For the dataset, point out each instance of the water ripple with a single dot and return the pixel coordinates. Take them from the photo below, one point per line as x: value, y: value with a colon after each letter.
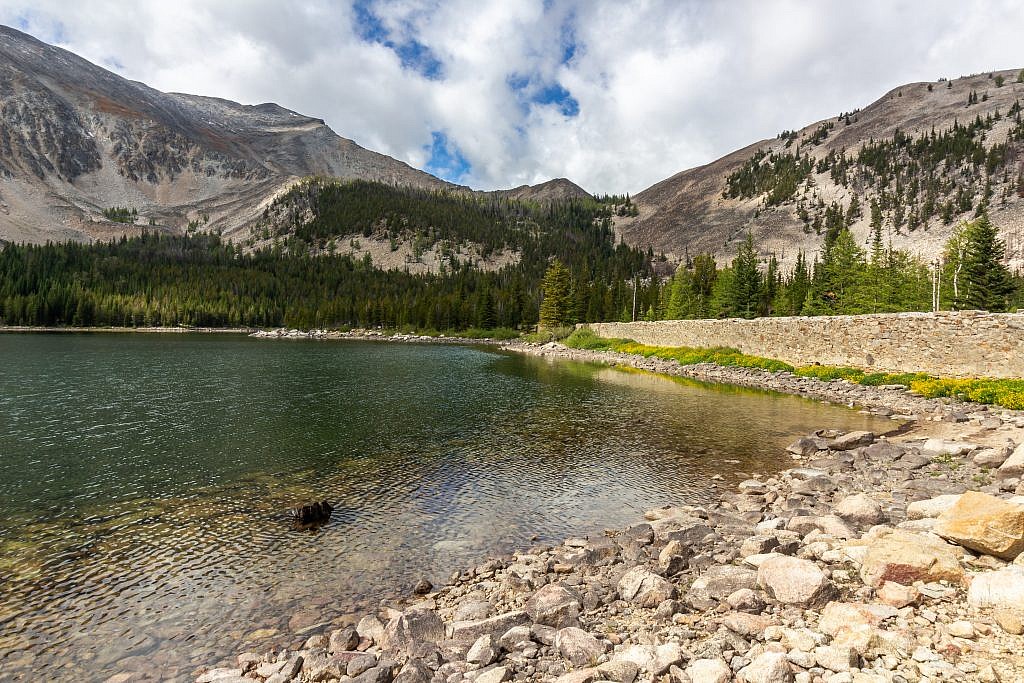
x: 144, y: 481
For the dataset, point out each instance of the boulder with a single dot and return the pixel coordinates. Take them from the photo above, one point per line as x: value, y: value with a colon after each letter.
x: 666, y: 656
x: 484, y: 651
x: 645, y: 588
x: 804, y: 447
x: 897, y: 595
x: 498, y: 674
x: 984, y: 524
x: 580, y: 676
x: 841, y: 615
x: 619, y: 670
x: 1013, y: 467
x: 852, y: 440
x: 414, y: 671
x: 884, y: 452
x: 992, y: 457
x: 836, y: 658
x: 578, y: 647
x: 721, y: 581
x: 931, y: 507
x: 859, y: 509
x: 709, y: 671
x: 936, y: 446
x: 674, y: 558
x: 641, y: 656
x: 516, y: 638
x: 371, y: 628
x: 745, y: 624
x: 469, y: 631
x: 1010, y: 620
x: 343, y: 639
x: 794, y: 581
x: 554, y: 605
x: 826, y: 524
x: 411, y: 628
x: 1002, y: 589
x: 770, y: 667
x: 904, y: 557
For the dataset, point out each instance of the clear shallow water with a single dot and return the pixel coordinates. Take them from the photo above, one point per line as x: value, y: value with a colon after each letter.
x: 143, y: 480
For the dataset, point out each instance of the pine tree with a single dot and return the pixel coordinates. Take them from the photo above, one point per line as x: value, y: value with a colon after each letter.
x: 746, y: 285
x: 987, y: 282
x: 798, y: 286
x: 557, y: 290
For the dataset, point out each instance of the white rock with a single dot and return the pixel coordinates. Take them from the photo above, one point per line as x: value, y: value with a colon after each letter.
x: 770, y: 667
x: 932, y: 507
x: 1003, y: 589
x: 794, y: 581
x: 709, y: 671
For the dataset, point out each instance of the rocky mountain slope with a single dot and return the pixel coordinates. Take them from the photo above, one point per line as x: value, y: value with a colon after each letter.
x: 927, y: 153
x: 76, y: 140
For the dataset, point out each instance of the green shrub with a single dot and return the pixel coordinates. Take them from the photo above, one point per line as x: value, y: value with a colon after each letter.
x: 828, y: 373
x: 548, y: 334
x: 499, y: 333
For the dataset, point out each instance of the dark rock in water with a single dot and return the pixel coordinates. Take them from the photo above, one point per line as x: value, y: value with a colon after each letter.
x: 422, y: 587
x: 312, y: 514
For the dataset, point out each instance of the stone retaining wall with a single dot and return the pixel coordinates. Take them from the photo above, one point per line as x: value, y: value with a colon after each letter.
x: 950, y: 344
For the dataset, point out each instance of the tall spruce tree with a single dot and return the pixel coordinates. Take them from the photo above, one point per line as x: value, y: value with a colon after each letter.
x: 556, y: 306
x: 746, y: 281
x: 987, y: 282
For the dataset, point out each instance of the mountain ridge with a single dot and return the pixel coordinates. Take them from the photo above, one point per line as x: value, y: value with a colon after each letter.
x: 691, y: 212
x: 76, y: 139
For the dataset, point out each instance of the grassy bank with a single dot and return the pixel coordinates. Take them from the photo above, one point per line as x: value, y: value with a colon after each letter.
x: 1008, y: 393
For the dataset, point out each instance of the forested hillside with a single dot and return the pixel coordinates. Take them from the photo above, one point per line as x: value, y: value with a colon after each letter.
x: 914, y: 164
x: 293, y: 279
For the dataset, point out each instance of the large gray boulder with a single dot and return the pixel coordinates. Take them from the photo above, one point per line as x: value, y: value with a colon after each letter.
x: 794, y: 581
x: 411, y: 628
x: 645, y: 588
x: 578, y: 647
x: 554, y: 605
x: 859, y: 509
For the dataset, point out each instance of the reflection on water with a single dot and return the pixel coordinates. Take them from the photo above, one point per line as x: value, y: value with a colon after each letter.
x: 145, y: 481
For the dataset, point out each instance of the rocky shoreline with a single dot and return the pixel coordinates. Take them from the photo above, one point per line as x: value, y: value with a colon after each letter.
x: 875, y: 558
x: 366, y: 335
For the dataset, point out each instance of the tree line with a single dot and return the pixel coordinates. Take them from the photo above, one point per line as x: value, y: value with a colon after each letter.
x: 202, y: 280
x: 845, y: 280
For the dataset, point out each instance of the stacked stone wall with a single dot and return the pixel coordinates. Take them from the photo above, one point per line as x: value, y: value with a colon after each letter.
x: 949, y: 344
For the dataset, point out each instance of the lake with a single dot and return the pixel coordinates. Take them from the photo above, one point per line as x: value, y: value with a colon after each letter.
x: 145, y: 478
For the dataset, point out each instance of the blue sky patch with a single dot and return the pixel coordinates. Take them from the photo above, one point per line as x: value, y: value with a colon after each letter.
x: 568, y: 39
x: 446, y: 160
x: 413, y: 54
x: 532, y: 91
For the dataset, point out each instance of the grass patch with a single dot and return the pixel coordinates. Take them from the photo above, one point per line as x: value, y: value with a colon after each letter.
x: 499, y: 333
x: 1008, y: 393
x: 584, y: 338
x: 548, y: 334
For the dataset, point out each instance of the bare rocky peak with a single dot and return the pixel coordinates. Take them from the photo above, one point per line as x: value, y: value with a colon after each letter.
x: 76, y: 138
x: 687, y: 213
x: 552, y: 190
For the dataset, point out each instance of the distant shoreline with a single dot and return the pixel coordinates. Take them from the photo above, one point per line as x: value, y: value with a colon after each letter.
x: 9, y: 329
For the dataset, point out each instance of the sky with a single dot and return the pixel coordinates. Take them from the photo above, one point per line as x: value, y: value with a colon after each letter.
x: 614, y: 95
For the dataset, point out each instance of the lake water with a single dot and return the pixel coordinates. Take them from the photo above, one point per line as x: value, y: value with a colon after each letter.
x: 144, y: 481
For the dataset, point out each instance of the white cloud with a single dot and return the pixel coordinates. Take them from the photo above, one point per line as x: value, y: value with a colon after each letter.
x: 661, y: 85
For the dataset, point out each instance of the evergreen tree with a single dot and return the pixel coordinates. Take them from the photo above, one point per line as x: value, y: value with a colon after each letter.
x: 555, y: 308
x: 746, y: 281
x: 797, y: 287
x: 987, y: 282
